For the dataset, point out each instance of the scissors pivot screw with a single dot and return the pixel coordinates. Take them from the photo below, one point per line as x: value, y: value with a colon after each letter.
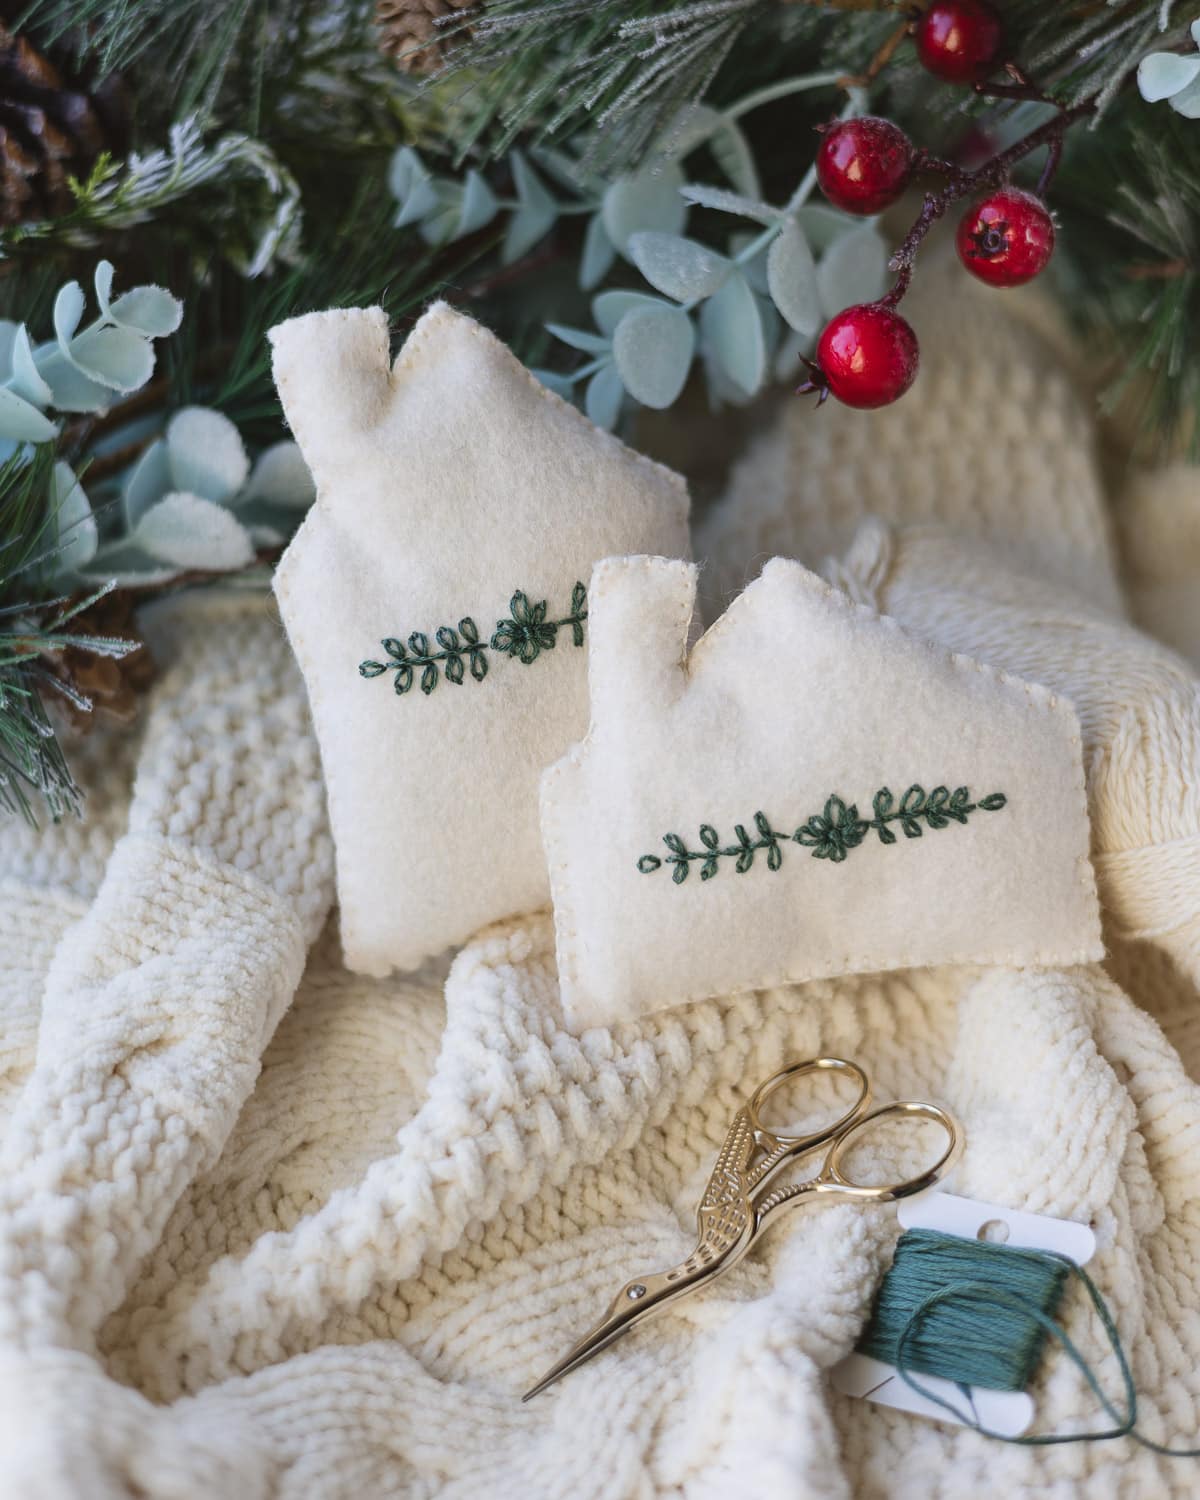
x: 635, y: 1292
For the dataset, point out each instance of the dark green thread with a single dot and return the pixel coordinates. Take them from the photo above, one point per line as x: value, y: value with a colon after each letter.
x: 524, y: 635
x: 830, y: 834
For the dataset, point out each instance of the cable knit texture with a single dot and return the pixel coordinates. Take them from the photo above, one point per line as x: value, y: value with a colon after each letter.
x: 315, y: 1251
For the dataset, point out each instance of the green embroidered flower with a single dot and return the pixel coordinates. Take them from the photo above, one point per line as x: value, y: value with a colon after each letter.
x: 528, y: 633
x: 832, y: 834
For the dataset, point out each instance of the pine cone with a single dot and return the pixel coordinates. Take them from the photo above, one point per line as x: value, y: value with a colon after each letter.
x: 51, y: 126
x: 112, y: 684
x: 405, y: 25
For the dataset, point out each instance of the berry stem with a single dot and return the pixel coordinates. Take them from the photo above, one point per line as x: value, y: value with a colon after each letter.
x: 961, y: 183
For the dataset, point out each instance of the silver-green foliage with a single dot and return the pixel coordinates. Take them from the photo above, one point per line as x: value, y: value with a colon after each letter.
x: 747, y: 307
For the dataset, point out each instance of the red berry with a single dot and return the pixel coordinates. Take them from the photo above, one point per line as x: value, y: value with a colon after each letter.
x: 864, y: 164
x: 959, y: 40
x: 1007, y: 238
x: 867, y: 356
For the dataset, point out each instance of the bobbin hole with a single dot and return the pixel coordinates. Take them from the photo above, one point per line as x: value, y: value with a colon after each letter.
x: 995, y: 1232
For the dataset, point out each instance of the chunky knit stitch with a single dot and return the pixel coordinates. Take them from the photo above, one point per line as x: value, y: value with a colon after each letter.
x: 315, y: 1250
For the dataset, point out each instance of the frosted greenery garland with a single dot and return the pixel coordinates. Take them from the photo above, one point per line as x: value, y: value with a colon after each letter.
x: 748, y: 310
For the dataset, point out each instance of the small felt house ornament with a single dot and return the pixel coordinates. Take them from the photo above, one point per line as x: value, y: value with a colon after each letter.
x: 436, y: 600
x: 810, y: 792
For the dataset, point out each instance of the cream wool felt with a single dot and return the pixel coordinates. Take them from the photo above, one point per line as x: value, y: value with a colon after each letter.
x: 445, y: 484
x: 319, y: 1260
x: 795, y: 697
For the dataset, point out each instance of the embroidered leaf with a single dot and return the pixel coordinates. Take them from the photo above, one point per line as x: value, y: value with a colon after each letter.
x: 525, y: 635
x: 830, y: 834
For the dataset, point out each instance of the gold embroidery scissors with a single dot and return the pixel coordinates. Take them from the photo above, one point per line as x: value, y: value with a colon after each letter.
x: 739, y: 1203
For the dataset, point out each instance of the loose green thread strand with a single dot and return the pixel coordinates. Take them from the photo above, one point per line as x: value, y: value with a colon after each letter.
x: 524, y: 635
x: 831, y: 834
x: 1013, y: 1294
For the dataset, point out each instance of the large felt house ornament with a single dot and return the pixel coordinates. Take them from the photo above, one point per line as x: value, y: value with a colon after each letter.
x: 436, y: 599
x: 810, y: 792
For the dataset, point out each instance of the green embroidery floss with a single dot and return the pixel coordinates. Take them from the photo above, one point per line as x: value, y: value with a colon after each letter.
x: 980, y: 1314
x: 830, y: 835
x: 523, y: 636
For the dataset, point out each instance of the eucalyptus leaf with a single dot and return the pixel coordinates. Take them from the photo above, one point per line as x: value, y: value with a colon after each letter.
x: 1187, y: 101
x: 206, y: 454
x: 8, y: 334
x: 754, y: 269
x: 561, y: 385
x: 21, y: 422
x: 599, y: 252
x: 114, y: 357
x: 150, y: 310
x: 682, y: 268
x: 729, y: 203
x: 26, y: 379
x: 822, y: 225
x: 733, y: 155
x: 603, y: 398
x: 645, y: 199
x: 691, y: 127
x: 1165, y: 73
x: 579, y: 338
x: 147, y: 482
x: 102, y: 280
x: 653, y: 349
x: 75, y: 526
x: 478, y: 206
x: 127, y: 566
x: 536, y: 215
x: 733, y: 334
x: 190, y: 532
x: 610, y: 307
x: 281, y: 477
x: 853, y: 270
x: 68, y: 310
x: 72, y: 389
x: 792, y: 279
x: 423, y: 201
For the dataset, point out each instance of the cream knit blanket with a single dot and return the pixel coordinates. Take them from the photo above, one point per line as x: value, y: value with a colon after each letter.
x: 272, y: 1231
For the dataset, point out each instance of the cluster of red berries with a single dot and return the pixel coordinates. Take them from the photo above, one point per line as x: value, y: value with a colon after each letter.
x: 867, y: 355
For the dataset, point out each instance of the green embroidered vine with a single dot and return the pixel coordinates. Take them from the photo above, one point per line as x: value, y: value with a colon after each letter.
x: 830, y: 834
x: 523, y: 636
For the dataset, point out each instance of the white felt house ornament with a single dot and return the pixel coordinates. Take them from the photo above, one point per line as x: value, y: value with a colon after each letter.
x: 810, y: 792
x: 436, y: 600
